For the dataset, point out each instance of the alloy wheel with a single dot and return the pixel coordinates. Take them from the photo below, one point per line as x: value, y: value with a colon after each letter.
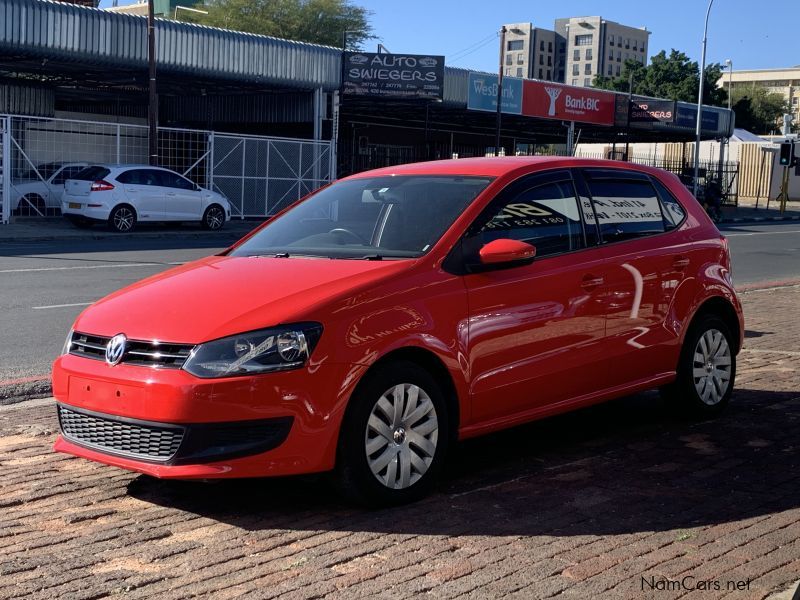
x: 711, y: 367
x: 214, y: 218
x: 123, y: 219
x: 401, y: 436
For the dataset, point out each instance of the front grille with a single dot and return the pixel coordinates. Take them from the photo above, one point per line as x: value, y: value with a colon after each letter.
x: 137, y: 352
x: 135, y: 440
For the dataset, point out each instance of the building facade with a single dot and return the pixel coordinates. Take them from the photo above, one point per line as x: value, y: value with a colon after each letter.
x: 596, y: 46
x: 779, y: 81
x: 532, y: 52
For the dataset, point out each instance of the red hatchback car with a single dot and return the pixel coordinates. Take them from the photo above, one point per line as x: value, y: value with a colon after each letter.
x: 367, y: 327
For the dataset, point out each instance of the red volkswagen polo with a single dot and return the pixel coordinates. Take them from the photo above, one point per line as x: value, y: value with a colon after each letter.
x: 367, y: 327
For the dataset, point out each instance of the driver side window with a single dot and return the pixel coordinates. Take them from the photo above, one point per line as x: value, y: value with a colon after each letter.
x: 545, y: 215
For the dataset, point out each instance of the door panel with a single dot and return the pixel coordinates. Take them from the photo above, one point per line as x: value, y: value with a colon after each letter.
x: 182, y: 200
x: 535, y: 331
x: 142, y: 189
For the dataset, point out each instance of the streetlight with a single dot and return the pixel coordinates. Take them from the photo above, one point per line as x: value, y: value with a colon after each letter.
x: 700, y: 101
x: 194, y: 10
x: 729, y: 64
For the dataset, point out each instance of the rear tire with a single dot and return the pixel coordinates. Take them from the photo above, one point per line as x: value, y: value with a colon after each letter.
x: 394, y: 436
x: 122, y: 219
x: 214, y: 218
x: 706, y: 369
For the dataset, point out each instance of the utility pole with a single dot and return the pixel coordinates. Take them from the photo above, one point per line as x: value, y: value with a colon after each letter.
x: 152, y: 105
x: 500, y: 92
x: 700, y: 102
x: 628, y: 126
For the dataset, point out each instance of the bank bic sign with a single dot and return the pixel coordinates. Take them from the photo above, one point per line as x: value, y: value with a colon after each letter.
x: 483, y: 93
x: 548, y: 100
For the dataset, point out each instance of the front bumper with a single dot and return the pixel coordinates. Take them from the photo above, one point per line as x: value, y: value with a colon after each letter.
x: 299, y: 413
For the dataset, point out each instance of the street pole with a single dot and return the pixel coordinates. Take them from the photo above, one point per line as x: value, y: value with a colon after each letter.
x: 729, y: 63
x: 152, y: 105
x: 500, y: 92
x: 700, y: 101
x: 628, y: 127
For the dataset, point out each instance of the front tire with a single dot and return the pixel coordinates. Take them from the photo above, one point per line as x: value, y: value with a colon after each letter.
x: 394, y: 436
x: 214, y: 218
x: 122, y: 219
x: 706, y: 371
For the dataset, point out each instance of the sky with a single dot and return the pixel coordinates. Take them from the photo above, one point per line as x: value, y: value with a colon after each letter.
x: 754, y: 35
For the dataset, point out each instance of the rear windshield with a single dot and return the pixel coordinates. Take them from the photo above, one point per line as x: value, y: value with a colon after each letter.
x: 92, y: 173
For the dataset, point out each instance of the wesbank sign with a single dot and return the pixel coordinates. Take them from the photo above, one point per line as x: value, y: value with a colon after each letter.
x: 483, y: 93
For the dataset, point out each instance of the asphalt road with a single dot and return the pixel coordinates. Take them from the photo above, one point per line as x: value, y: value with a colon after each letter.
x: 45, y: 285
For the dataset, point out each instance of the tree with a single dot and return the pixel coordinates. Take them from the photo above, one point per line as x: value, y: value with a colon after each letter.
x: 316, y: 21
x: 758, y: 110
x: 674, y: 77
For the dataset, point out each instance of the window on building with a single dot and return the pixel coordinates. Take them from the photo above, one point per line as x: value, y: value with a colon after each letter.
x: 619, y: 55
x: 583, y: 40
x: 549, y: 77
x: 610, y: 70
x: 541, y: 59
x: 618, y: 70
x: 587, y: 70
x: 588, y: 54
x: 520, y: 58
x: 576, y: 70
x: 515, y: 44
x: 519, y: 71
x: 540, y: 73
x: 508, y: 72
x: 611, y: 55
x: 611, y: 40
x: 626, y: 56
x: 587, y: 81
x: 627, y: 42
x: 509, y: 59
x: 635, y: 45
x: 574, y: 82
x: 541, y: 45
x: 549, y: 46
x: 576, y: 54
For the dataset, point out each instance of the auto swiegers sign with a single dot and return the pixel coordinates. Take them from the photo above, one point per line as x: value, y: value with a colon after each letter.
x: 547, y: 100
x: 393, y: 75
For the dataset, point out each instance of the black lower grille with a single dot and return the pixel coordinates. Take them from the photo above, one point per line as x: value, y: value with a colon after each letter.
x: 147, y: 442
x: 168, y: 443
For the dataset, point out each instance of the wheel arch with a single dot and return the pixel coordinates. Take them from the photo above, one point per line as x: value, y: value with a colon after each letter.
x: 723, y: 308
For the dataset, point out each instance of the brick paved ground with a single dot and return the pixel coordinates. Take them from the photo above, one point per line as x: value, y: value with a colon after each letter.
x: 588, y: 504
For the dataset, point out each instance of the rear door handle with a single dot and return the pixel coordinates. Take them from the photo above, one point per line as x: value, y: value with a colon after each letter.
x: 680, y: 262
x: 590, y: 282
x: 170, y: 193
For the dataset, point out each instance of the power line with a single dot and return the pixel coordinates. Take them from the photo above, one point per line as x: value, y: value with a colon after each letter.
x: 472, y: 48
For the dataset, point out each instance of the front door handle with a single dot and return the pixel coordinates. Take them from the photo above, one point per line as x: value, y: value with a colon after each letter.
x: 680, y: 262
x: 170, y: 193
x: 590, y: 282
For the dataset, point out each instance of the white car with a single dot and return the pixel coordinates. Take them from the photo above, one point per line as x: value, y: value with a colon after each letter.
x: 122, y: 195
x: 40, y: 189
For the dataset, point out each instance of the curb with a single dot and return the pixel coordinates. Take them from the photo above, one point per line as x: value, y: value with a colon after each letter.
x: 27, y: 388
x: 758, y: 219
x: 121, y: 236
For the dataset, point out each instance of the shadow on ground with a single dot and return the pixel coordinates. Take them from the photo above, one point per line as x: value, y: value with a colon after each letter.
x: 622, y: 467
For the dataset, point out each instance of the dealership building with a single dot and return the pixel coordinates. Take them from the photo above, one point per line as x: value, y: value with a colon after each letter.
x: 265, y: 120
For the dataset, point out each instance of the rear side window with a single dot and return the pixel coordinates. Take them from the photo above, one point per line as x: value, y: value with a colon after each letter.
x: 674, y: 213
x: 92, y: 173
x: 544, y: 215
x: 140, y: 177
x: 626, y: 209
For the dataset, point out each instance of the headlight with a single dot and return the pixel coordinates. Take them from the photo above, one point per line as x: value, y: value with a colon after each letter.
x: 262, y: 351
x: 67, y: 343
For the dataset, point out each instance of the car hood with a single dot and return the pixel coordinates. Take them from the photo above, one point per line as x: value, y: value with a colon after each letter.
x: 219, y: 296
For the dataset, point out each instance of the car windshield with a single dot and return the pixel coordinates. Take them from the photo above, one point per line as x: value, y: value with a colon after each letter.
x: 370, y: 218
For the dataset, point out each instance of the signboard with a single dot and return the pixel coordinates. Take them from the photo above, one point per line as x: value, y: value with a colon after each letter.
x: 650, y: 111
x: 546, y: 100
x: 482, y: 94
x: 686, y: 116
x: 393, y: 75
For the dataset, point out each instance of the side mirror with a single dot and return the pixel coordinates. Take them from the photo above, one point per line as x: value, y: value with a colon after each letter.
x: 506, y: 252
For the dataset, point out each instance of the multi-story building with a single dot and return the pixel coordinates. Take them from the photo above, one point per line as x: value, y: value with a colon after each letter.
x: 596, y: 46
x: 579, y: 49
x: 532, y: 52
x: 780, y: 81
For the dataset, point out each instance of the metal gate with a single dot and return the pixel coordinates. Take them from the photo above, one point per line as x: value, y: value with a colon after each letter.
x: 259, y: 175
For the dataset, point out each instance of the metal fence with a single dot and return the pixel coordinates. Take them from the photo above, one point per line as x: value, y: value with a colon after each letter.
x: 258, y: 175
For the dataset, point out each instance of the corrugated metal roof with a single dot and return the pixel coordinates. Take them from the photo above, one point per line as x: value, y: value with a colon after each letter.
x: 79, y: 34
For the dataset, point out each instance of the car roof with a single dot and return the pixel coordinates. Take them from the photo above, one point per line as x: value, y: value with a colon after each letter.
x: 127, y: 166
x: 496, y: 166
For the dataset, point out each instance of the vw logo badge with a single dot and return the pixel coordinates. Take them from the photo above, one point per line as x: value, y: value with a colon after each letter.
x: 115, y: 349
